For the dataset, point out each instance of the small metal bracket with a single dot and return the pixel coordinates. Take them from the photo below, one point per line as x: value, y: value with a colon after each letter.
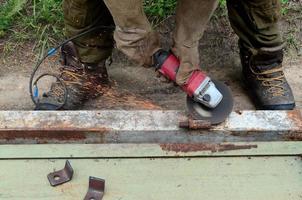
x: 194, y: 124
x: 61, y: 176
x: 96, y: 189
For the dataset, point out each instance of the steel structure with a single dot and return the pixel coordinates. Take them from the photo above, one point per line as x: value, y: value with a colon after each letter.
x: 146, y: 155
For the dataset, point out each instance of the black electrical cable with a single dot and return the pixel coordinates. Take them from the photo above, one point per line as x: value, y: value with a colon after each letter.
x: 32, y: 83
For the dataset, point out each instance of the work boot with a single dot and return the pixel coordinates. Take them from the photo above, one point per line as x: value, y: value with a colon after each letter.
x: 264, y: 77
x: 83, y: 81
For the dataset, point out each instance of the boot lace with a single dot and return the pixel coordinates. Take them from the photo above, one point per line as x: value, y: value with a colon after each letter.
x: 274, y: 83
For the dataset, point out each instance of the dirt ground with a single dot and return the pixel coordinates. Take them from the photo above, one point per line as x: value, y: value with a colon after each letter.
x: 138, y: 88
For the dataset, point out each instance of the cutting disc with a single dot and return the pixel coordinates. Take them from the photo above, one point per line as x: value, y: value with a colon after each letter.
x: 216, y: 115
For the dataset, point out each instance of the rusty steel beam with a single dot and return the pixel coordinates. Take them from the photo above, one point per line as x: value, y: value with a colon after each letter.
x: 108, y: 126
x: 142, y: 121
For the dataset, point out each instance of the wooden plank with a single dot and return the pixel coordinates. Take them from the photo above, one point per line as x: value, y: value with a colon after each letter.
x: 52, y: 151
x: 261, y: 178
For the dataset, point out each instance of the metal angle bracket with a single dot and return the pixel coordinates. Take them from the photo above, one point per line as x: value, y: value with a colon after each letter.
x: 96, y: 189
x: 62, y: 176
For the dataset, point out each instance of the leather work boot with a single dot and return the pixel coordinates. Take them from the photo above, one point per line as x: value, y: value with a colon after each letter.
x: 83, y: 81
x: 264, y: 77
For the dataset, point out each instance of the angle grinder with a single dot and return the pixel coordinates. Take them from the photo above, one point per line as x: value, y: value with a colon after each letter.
x: 207, y: 99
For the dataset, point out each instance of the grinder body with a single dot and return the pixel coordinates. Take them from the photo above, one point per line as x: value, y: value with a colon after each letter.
x: 199, y: 86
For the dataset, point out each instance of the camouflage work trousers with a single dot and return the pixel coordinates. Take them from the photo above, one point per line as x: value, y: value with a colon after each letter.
x: 254, y: 21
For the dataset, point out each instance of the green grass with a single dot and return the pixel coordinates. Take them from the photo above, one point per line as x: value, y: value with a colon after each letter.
x: 41, y: 21
x: 36, y: 18
x: 158, y: 10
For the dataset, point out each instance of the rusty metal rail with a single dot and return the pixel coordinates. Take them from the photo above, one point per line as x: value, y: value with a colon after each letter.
x: 108, y: 126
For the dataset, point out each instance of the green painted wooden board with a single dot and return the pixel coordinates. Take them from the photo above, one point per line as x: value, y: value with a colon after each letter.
x: 273, y: 170
x: 227, y: 178
x: 94, y: 151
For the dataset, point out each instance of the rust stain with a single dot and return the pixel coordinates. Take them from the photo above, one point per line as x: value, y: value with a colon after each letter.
x: 199, y: 124
x: 185, y: 148
x: 42, y: 135
x: 296, y: 117
x: 294, y: 136
x: 59, y: 125
x: 193, y: 124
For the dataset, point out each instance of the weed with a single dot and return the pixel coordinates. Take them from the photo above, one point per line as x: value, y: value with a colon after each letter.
x: 158, y: 10
x: 7, y: 13
x: 40, y: 21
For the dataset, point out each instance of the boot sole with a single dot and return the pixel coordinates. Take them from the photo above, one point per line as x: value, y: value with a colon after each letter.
x: 280, y: 107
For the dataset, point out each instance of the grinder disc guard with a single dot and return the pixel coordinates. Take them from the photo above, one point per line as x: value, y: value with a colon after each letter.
x: 214, y: 116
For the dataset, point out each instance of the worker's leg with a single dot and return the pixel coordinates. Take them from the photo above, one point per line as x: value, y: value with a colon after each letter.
x: 256, y: 22
x: 133, y: 34
x: 80, y: 15
x: 83, y: 71
x: 192, y: 17
x: 261, y: 50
